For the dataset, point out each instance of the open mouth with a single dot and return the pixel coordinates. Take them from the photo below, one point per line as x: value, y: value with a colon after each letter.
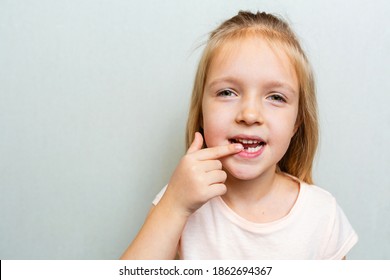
x: 250, y: 145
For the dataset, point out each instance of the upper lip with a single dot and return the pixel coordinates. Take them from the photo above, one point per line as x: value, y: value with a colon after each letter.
x: 248, y: 137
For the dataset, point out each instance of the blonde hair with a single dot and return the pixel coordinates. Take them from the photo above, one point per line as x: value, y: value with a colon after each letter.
x: 298, y: 159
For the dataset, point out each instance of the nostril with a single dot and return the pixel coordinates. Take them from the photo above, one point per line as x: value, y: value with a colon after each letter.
x: 250, y: 116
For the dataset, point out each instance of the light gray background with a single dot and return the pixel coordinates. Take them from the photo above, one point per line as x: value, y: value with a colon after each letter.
x: 93, y: 104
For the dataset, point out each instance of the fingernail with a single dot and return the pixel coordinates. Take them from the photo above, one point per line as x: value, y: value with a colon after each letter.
x: 238, y: 147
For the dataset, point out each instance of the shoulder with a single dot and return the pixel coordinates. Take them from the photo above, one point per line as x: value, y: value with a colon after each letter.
x: 318, y: 194
x: 338, y: 236
x: 311, y: 191
x: 316, y: 206
x: 313, y: 198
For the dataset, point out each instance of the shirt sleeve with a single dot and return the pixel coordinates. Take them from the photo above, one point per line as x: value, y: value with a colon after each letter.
x: 159, y: 196
x: 342, y: 236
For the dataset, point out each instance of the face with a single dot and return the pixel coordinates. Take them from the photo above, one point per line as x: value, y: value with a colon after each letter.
x: 251, y: 97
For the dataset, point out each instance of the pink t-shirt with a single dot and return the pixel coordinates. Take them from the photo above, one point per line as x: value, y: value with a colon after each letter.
x: 315, y: 228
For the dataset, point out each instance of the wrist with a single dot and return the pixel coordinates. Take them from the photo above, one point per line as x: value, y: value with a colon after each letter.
x: 173, y: 206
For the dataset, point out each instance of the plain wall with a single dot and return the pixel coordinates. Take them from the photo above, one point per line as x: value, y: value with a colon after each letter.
x: 94, y: 98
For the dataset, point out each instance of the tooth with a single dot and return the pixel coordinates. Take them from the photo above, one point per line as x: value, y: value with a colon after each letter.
x: 250, y: 142
x: 253, y: 150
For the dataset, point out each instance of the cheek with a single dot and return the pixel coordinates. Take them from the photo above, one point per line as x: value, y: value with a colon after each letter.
x: 212, y: 132
x: 286, y: 121
x: 283, y: 134
x: 215, y: 128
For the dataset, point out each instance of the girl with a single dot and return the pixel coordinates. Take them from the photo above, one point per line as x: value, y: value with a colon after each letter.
x: 242, y: 189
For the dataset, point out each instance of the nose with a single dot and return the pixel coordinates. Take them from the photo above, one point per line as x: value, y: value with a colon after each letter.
x: 250, y: 112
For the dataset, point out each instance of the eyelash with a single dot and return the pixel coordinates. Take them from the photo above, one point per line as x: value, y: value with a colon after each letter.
x: 277, y: 98
x: 230, y: 93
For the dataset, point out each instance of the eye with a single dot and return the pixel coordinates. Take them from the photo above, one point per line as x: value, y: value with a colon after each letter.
x: 277, y: 98
x: 226, y: 93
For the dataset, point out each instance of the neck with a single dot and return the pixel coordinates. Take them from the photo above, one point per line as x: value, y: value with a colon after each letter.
x: 251, y: 190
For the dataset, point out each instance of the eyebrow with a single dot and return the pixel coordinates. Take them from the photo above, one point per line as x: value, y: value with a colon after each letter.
x: 222, y: 80
x: 280, y: 84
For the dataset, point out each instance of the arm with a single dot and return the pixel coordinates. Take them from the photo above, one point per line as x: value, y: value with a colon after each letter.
x: 202, y: 175
x: 159, y: 236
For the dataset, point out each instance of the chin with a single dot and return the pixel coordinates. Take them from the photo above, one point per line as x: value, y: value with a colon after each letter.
x: 243, y: 175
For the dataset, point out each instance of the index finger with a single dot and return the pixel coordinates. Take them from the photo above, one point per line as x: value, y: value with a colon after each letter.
x: 219, y: 151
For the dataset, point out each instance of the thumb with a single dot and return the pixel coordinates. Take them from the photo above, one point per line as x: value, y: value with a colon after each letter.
x: 196, y: 144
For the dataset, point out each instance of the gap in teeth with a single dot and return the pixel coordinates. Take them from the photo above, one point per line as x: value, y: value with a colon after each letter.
x: 247, y: 141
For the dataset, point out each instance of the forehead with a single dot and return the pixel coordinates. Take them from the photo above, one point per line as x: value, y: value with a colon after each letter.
x: 253, y: 59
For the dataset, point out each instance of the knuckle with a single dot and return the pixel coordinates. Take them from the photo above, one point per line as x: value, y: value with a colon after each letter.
x: 187, y: 160
x: 193, y: 168
x: 187, y: 157
x: 201, y: 180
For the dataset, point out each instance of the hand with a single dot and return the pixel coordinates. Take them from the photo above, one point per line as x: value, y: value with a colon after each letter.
x: 199, y: 176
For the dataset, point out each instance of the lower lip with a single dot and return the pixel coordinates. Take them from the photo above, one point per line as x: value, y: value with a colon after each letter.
x: 246, y: 154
